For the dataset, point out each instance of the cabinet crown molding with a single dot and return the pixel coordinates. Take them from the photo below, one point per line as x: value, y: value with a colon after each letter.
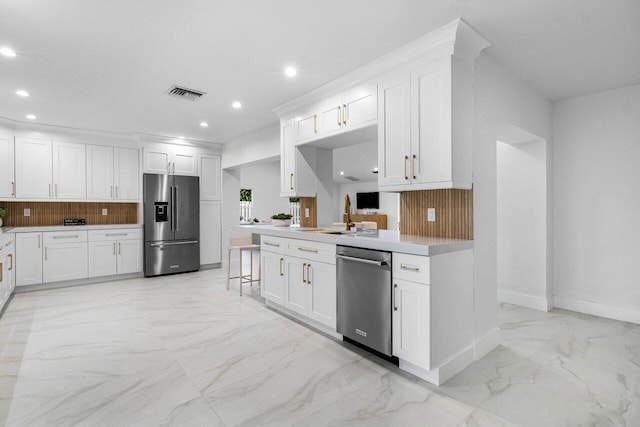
x: 456, y: 38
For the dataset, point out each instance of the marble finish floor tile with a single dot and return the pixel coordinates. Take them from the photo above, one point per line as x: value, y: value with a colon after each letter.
x: 183, y: 351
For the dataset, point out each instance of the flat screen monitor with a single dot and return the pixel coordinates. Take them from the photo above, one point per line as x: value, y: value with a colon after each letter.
x: 368, y: 200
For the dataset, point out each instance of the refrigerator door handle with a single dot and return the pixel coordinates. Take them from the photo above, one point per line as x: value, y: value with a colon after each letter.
x: 175, y: 208
x: 171, y: 204
x: 159, y: 245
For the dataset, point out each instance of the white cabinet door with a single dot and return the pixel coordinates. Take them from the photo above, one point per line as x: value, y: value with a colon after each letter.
x: 394, y: 130
x: 330, y: 117
x: 33, y: 168
x: 7, y: 177
x: 126, y: 179
x: 306, y: 127
x: 28, y: 258
x: 272, y: 282
x: 102, y: 258
x: 296, y: 297
x: 431, y: 125
x: 210, y: 177
x: 210, y: 229
x: 287, y: 160
x: 99, y: 172
x: 65, y: 261
x: 321, y: 279
x: 360, y: 105
x: 69, y: 172
x: 129, y: 253
x: 156, y: 160
x: 184, y: 162
x: 411, y: 327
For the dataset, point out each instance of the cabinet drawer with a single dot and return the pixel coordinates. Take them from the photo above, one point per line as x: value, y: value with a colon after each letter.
x: 115, y: 234
x: 414, y: 268
x: 315, y: 251
x: 273, y: 244
x: 56, y: 237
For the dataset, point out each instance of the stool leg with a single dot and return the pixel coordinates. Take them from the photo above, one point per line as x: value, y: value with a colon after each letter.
x: 240, y: 272
x: 228, y: 268
x: 259, y: 269
x: 251, y: 269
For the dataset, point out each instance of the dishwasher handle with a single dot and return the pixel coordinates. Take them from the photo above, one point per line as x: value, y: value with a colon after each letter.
x: 362, y: 260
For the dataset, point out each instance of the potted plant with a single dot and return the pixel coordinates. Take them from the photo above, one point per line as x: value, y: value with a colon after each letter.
x: 3, y: 214
x: 281, y: 219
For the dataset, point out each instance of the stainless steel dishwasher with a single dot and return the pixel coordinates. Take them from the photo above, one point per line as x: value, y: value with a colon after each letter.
x: 364, y: 297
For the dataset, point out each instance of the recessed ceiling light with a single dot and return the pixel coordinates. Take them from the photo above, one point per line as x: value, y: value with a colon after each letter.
x: 290, y: 72
x: 22, y: 93
x: 204, y: 124
x: 30, y: 117
x: 341, y: 172
x: 181, y: 137
x: 237, y: 105
x: 6, y: 51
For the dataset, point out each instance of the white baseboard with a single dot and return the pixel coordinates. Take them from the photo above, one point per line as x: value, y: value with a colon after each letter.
x: 486, y: 343
x: 303, y: 319
x: 525, y: 300
x: 598, y: 309
x: 443, y: 373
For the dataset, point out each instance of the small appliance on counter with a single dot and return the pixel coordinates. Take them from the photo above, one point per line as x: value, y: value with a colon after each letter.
x: 171, y: 224
x: 73, y: 221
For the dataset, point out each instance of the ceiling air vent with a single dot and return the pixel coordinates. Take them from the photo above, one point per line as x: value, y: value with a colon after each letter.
x: 184, y: 93
x: 352, y: 178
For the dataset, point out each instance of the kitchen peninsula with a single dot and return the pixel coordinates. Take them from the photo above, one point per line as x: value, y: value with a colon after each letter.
x: 432, y: 293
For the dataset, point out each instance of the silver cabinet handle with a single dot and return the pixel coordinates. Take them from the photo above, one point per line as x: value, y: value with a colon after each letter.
x: 304, y: 265
x: 409, y: 268
x: 55, y: 190
x: 277, y: 245
x: 45, y: 253
x: 115, y: 234
x: 281, y: 262
x: 49, y: 190
x: 339, y: 115
x: 38, y: 241
x: 315, y: 251
x: 114, y: 248
x: 413, y: 166
x: 75, y: 236
x: 344, y: 114
x: 362, y: 260
x: 308, y: 274
x: 291, y: 181
x: 406, y: 159
x: 119, y: 248
x: 395, y: 287
x: 13, y: 187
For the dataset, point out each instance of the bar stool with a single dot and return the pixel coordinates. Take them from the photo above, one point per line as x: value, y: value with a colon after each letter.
x: 242, y: 241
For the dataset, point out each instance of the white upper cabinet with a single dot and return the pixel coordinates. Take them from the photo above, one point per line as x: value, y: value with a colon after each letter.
x: 7, y: 177
x: 169, y: 159
x: 69, y: 172
x: 33, y: 168
x: 210, y: 176
x: 350, y: 110
x: 126, y: 176
x: 112, y: 173
x: 297, y: 178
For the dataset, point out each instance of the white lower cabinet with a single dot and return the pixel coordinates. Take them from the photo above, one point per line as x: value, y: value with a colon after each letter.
x: 115, y: 252
x: 411, y: 322
x: 210, y: 238
x: 272, y: 280
x: 305, y: 286
x: 7, y: 268
x: 64, y: 261
x: 28, y: 259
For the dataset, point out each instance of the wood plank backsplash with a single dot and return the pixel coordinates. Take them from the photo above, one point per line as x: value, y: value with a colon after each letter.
x: 52, y: 213
x: 454, y: 213
x: 311, y: 204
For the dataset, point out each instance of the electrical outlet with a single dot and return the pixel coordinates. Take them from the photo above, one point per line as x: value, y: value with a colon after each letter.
x: 104, y: 212
x: 431, y: 214
x: 27, y: 212
x: 306, y: 212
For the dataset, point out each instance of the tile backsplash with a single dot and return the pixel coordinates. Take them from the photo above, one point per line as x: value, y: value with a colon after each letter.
x: 52, y: 213
x: 454, y: 213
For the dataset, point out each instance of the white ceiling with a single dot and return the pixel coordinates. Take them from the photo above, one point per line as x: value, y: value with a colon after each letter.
x: 105, y: 65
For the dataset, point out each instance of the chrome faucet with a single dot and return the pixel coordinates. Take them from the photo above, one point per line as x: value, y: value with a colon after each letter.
x: 347, y: 211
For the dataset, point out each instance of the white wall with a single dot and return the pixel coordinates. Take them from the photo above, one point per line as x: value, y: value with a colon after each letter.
x: 597, y: 203
x: 499, y: 97
x: 522, y: 223
x: 256, y: 146
x: 388, y: 201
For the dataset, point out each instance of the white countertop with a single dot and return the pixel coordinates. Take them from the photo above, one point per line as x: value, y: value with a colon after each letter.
x: 67, y: 228
x: 386, y: 240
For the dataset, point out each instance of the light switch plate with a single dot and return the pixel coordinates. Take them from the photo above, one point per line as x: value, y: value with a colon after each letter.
x: 104, y: 212
x: 27, y: 212
x: 306, y: 212
x: 431, y: 214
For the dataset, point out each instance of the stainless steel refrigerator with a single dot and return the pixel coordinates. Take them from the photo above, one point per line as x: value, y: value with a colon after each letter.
x: 171, y: 224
